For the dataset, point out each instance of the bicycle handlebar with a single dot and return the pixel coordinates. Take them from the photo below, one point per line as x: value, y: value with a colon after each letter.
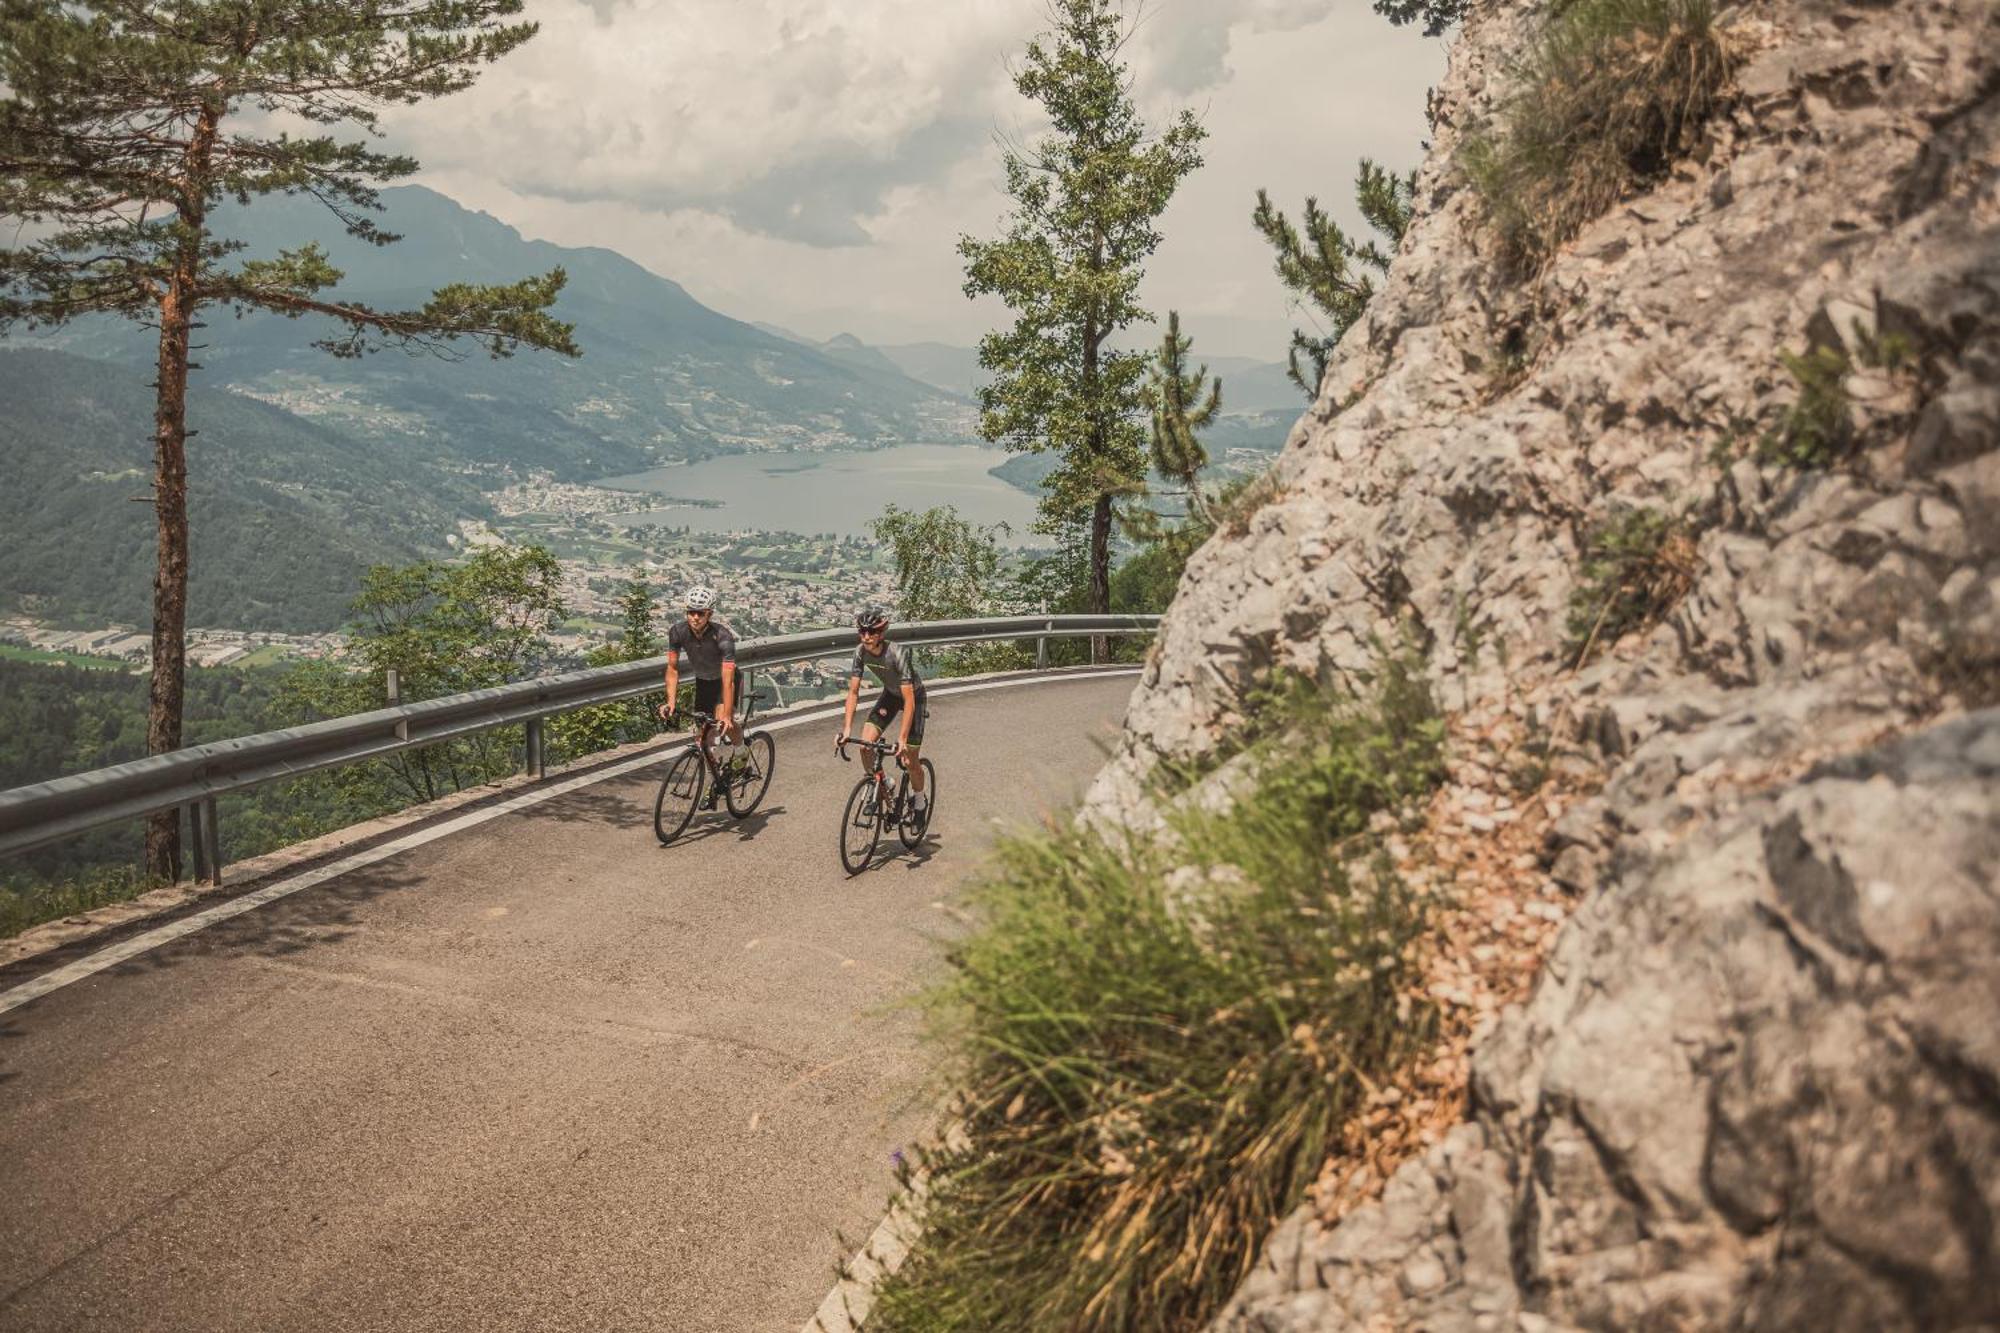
x: 879, y: 747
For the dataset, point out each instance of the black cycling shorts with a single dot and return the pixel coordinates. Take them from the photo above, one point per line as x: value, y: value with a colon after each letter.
x: 890, y: 704
x: 708, y: 696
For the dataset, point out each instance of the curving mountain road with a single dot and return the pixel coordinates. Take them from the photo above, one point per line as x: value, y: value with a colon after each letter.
x: 541, y: 1074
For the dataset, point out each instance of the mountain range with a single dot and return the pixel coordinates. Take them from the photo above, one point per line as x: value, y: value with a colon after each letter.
x: 662, y: 377
x: 308, y: 468
x: 286, y: 513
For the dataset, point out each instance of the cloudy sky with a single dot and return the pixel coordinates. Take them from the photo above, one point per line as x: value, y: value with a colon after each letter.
x: 812, y: 163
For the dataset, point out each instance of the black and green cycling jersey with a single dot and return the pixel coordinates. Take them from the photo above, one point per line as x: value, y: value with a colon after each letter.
x: 890, y: 667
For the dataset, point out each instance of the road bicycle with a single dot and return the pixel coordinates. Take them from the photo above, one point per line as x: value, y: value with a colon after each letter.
x: 695, y: 779
x: 874, y: 806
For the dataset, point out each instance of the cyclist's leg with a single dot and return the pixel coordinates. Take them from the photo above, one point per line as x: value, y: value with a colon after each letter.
x: 707, y: 698
x: 879, y: 717
x: 913, y: 752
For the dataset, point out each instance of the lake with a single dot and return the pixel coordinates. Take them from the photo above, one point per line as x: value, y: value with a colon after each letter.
x: 836, y: 492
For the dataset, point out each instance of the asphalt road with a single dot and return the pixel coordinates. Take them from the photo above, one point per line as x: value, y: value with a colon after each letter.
x: 543, y: 1074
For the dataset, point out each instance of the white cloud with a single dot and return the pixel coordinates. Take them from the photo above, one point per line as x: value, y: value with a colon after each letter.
x: 728, y: 143
x: 792, y: 117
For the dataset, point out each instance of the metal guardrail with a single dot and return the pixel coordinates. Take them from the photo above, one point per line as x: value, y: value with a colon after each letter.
x: 48, y: 812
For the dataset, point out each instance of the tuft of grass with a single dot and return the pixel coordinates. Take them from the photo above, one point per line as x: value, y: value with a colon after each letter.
x: 1818, y: 430
x: 1636, y: 568
x: 1240, y: 500
x: 1610, y: 95
x: 1158, y: 1042
x: 26, y: 902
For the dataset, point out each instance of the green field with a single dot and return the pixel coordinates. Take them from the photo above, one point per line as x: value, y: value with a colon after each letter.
x: 14, y: 652
x: 269, y: 655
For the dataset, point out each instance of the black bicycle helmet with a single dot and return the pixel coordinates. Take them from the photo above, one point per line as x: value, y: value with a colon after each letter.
x: 872, y: 617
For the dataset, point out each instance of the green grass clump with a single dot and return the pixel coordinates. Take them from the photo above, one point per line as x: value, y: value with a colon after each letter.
x: 1611, y: 93
x: 1159, y: 1042
x: 1636, y: 568
x: 26, y: 902
x: 1818, y: 429
x: 1819, y: 426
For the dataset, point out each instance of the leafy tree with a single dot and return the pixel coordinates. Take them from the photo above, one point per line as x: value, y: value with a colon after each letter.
x: 946, y: 567
x: 1437, y: 15
x: 444, y: 629
x: 1180, y: 410
x: 126, y: 123
x: 588, y: 730
x: 1069, y: 263
x: 1325, y: 267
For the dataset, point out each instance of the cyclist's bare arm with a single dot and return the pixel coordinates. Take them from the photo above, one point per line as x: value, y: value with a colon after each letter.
x: 909, y: 717
x: 673, y: 684
x: 847, y: 719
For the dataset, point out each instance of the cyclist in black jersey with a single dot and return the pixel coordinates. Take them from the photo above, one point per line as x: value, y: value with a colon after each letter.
x: 710, y: 646
x: 902, y: 697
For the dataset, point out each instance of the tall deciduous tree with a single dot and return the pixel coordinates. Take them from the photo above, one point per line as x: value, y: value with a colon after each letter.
x: 444, y: 629
x: 126, y: 123
x: 1327, y: 269
x: 1183, y: 403
x: 1086, y: 197
x: 946, y: 567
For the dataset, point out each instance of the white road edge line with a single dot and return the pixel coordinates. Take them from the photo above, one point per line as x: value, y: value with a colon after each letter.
x: 29, y: 991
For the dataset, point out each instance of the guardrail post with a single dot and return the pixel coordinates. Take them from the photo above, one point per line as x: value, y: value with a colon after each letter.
x: 198, y: 838
x: 211, y: 838
x: 392, y: 688
x: 1041, y: 654
x: 537, y: 769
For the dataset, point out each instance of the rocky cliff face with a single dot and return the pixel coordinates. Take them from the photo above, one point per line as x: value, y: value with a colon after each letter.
x: 1758, y: 1083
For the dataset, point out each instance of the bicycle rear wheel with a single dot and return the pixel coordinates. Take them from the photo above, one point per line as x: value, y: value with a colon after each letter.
x: 680, y: 793
x: 748, y: 785
x: 913, y: 826
x: 860, y: 828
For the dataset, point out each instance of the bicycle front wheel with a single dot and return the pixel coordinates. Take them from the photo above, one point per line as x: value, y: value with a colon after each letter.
x: 913, y: 826
x: 680, y: 793
x: 860, y: 828
x: 748, y: 783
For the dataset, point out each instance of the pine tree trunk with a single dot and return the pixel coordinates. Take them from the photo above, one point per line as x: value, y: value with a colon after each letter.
x: 170, y: 573
x: 1100, y: 572
x: 178, y: 299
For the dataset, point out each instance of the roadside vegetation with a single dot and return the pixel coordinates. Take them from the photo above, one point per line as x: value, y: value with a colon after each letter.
x: 1818, y: 429
x: 1608, y: 96
x: 1637, y: 567
x: 443, y: 628
x: 1158, y: 1041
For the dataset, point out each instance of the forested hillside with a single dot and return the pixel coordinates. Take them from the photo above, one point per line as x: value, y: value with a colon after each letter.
x: 286, y: 513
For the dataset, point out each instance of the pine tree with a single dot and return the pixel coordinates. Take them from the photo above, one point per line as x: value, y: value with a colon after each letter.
x: 1326, y: 269
x: 636, y: 609
x: 1179, y: 411
x: 1437, y: 15
x: 1086, y: 198
x: 124, y: 124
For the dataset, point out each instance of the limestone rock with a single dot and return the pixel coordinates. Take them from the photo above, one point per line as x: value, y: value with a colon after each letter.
x: 1759, y: 1084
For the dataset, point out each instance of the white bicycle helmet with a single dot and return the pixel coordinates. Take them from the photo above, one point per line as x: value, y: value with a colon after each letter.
x: 700, y: 597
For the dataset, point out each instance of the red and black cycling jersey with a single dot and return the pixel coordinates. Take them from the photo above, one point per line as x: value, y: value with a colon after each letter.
x: 707, y: 651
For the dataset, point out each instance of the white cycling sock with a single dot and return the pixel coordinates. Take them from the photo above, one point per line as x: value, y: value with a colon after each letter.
x: 920, y: 799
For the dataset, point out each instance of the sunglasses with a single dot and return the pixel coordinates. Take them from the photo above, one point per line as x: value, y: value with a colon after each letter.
x: 873, y: 633
x: 698, y: 615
